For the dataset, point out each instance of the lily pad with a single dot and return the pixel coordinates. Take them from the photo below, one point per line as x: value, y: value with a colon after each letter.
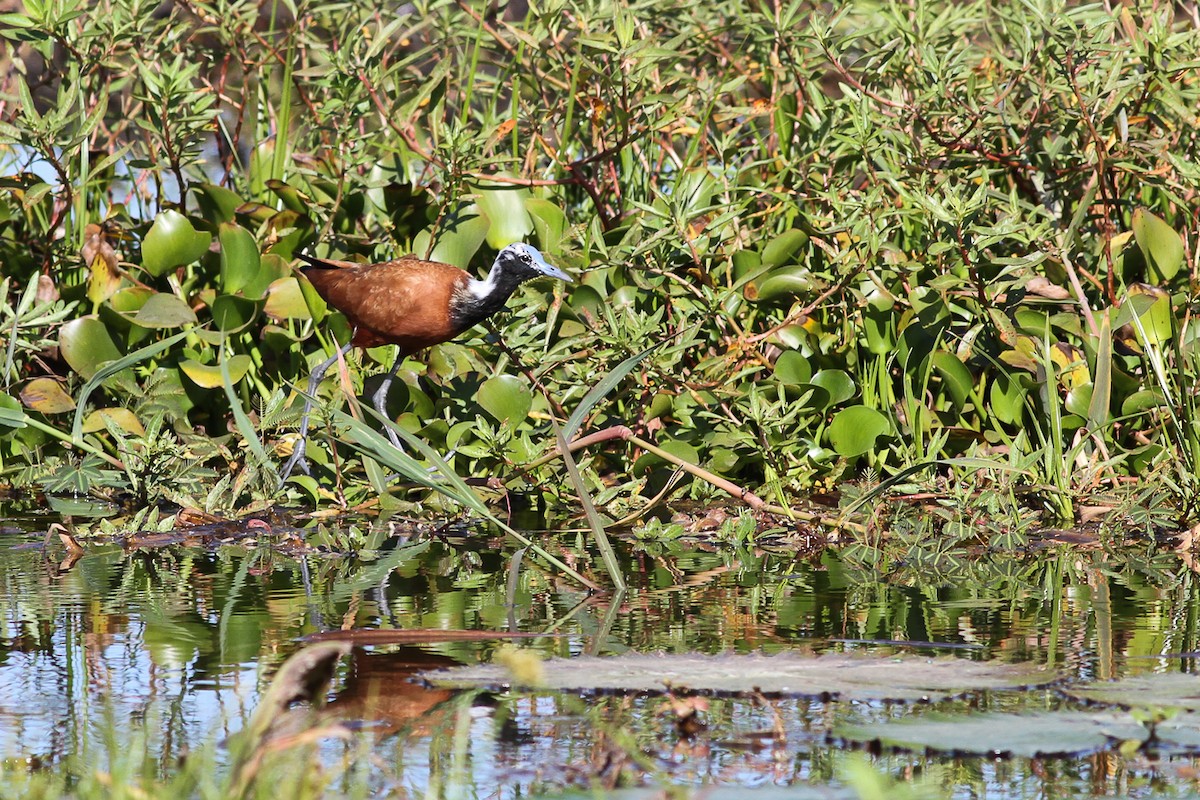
x: 1022, y: 735
x: 836, y: 676
x: 1172, y: 690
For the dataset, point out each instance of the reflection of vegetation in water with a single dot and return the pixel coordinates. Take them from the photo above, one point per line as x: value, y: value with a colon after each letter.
x: 169, y: 640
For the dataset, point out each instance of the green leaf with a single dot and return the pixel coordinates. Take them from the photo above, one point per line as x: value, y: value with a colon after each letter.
x: 112, y: 368
x: 505, y: 207
x: 793, y: 368
x: 1160, y: 244
x: 782, y: 284
x: 1006, y: 398
x: 208, y: 376
x: 231, y: 314
x: 458, y: 239
x: 217, y: 204
x: 290, y: 298
x: 1141, y: 402
x: 506, y: 398
x: 164, y: 310
x: 549, y: 222
x: 85, y: 345
x: 854, y: 430
x: 271, y: 267
x: 955, y: 377
x: 239, y: 259
x: 172, y: 242
x: 782, y: 248
x: 839, y: 385
x: 12, y: 414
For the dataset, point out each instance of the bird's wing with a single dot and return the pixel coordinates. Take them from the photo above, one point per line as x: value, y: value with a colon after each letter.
x: 404, y: 302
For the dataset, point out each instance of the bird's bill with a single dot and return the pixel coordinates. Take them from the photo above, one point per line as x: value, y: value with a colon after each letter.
x: 549, y: 270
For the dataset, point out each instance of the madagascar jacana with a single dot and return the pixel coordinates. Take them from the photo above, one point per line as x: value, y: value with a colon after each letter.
x: 412, y: 304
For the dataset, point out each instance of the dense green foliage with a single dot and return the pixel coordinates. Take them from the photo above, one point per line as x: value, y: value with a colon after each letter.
x: 956, y: 235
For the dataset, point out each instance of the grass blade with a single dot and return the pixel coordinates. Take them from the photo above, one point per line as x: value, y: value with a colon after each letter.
x: 589, y: 510
x: 445, y: 481
x: 606, y: 385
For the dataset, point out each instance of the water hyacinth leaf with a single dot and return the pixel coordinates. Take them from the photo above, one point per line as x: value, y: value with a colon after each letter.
x: 506, y: 398
x: 1141, y: 402
x: 239, y: 258
x: 854, y: 430
x: 879, y: 327
x: 216, y: 203
x: 839, y: 385
x: 291, y: 298
x: 793, y: 368
x: 130, y: 299
x: 208, y: 376
x: 1160, y: 244
x: 1006, y: 398
x: 172, y: 242
x: 955, y: 377
x: 115, y: 366
x: 271, y: 267
x: 85, y: 345
x: 504, y: 205
x: 459, y: 237
x: 121, y: 418
x: 164, y: 310
x: 293, y: 199
x: 46, y: 396
x: 1079, y: 400
x: 231, y: 314
x: 549, y: 223
x: 842, y: 677
x: 782, y: 249
x: 1146, y: 314
x: 1022, y: 735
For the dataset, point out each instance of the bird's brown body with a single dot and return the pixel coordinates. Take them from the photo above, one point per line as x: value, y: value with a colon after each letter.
x: 406, y: 302
x: 413, y: 304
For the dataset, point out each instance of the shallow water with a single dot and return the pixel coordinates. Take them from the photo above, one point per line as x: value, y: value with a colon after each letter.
x: 182, y: 640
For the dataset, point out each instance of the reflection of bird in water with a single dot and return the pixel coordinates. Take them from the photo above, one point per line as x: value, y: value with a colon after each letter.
x: 380, y: 689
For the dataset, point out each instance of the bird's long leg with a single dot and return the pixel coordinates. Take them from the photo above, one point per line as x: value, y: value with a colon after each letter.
x: 380, y: 399
x: 314, y: 380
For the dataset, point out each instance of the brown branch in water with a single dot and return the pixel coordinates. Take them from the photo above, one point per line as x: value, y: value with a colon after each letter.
x: 755, y: 502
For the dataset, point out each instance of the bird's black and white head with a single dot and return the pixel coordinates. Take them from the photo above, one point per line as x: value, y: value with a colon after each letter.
x: 524, y: 262
x: 477, y: 300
